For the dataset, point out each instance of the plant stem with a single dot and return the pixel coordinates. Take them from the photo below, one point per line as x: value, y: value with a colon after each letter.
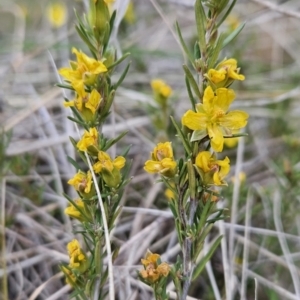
x: 188, y: 266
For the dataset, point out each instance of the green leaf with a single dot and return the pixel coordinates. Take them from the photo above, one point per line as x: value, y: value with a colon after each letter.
x: 235, y: 135
x: 76, y: 114
x: 233, y: 35
x: 77, y: 121
x: 119, y: 61
x: 112, y: 21
x: 205, y: 212
x: 227, y: 13
x: 65, y: 86
x: 107, y: 105
x: 122, y: 77
x: 200, y: 240
x: 222, y: 5
x: 86, y: 39
x: 73, y: 162
x: 192, y: 81
x: 191, y: 97
x: 192, y: 179
x: 181, y: 136
x: 197, y: 52
x: 114, y: 141
x: 183, y: 44
x: 198, y: 135
x: 199, y: 268
x: 215, y: 53
x: 200, y: 23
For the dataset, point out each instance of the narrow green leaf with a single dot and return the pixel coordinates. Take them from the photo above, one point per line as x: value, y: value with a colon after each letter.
x: 108, y: 104
x: 114, y: 141
x: 184, y: 46
x: 74, y: 163
x: 200, y: 23
x: 215, y: 53
x: 122, y: 77
x: 222, y: 5
x: 192, y: 81
x: 233, y: 35
x: 200, y: 240
x: 119, y: 61
x: 112, y: 21
x: 85, y: 38
x: 126, y: 150
x: 192, y: 179
x: 197, y: 52
x: 65, y: 86
x: 191, y: 97
x: 76, y: 114
x: 76, y: 121
x: 204, y: 214
x: 235, y: 135
x: 206, y: 258
x: 227, y: 13
x: 181, y: 136
x: 106, y: 36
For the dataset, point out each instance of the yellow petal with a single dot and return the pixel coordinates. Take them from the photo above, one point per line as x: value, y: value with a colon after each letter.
x: 224, y: 98
x: 216, y: 137
x: 194, y: 121
x: 234, y: 120
x: 216, y: 76
x: 97, y: 167
x: 163, y: 150
x: 88, y: 183
x: 208, y: 99
x: 94, y: 101
x: 225, y: 166
x: 79, y: 88
x: 168, y: 163
x: 152, y: 166
x: 231, y: 62
x: 119, y: 162
x: 203, y: 160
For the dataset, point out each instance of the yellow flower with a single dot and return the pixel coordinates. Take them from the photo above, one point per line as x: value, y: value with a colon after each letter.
x: 213, y: 171
x: 241, y: 176
x: 105, y: 162
x: 89, y: 138
x: 233, y: 22
x: 57, y: 14
x: 212, y: 118
x: 109, y: 169
x: 225, y: 72
x: 161, y: 90
x: 86, y: 104
x: 82, y: 182
x: 162, y: 160
x: 160, y: 87
x: 153, y: 270
x: 78, y: 259
x: 75, y: 213
x: 83, y: 72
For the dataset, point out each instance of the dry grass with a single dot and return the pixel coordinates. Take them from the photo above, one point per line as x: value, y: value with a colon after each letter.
x: 259, y: 256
